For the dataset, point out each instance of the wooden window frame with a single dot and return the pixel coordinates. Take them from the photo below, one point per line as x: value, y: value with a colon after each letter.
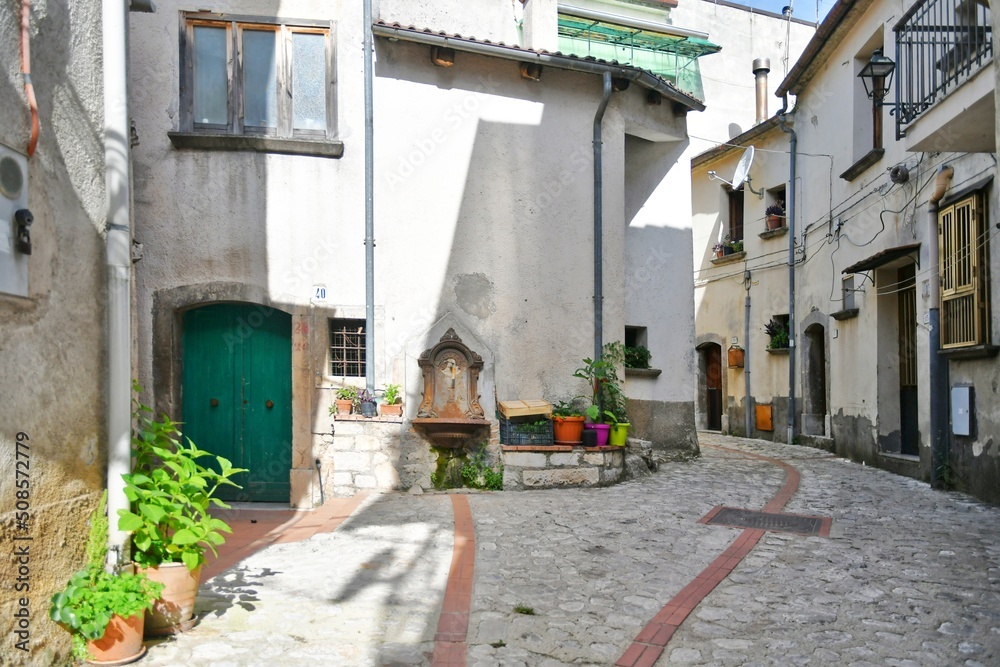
x: 963, y: 272
x: 737, y: 213
x: 235, y: 25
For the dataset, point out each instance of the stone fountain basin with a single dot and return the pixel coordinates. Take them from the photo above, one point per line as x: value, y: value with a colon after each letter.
x: 450, y: 431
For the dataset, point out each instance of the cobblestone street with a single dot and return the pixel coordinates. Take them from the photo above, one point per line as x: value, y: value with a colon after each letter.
x: 907, y: 576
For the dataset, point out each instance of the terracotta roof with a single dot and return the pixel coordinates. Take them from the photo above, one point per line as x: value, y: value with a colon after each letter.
x: 555, y: 59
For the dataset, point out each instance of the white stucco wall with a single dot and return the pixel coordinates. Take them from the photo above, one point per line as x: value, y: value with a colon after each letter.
x: 483, y: 214
x: 52, y: 372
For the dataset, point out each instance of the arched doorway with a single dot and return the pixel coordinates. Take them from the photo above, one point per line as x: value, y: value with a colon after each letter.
x: 236, y: 389
x: 710, y: 389
x: 814, y: 380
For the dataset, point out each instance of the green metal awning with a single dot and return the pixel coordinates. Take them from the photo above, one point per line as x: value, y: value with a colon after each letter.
x: 600, y: 32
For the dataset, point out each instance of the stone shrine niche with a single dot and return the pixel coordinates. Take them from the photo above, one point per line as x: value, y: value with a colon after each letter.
x: 451, y: 380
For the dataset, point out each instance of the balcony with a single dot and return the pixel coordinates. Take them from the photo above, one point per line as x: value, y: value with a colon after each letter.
x: 944, y: 85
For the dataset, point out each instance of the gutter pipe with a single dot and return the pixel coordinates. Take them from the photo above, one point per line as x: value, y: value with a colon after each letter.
x: 746, y: 355
x: 119, y: 264
x: 599, y: 220
x: 938, y: 367
x: 639, y: 76
x: 793, y: 141
x: 369, y: 206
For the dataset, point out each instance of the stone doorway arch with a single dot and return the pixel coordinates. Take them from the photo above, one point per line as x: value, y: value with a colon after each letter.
x: 712, y: 395
x: 815, y: 387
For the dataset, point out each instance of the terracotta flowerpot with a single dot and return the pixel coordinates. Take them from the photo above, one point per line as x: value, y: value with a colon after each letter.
x: 568, y: 430
x: 774, y: 222
x: 603, y: 431
x: 619, y: 434
x: 121, y: 643
x: 395, y: 410
x: 344, y: 407
x: 174, y: 611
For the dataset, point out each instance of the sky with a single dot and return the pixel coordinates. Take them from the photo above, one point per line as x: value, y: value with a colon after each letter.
x: 801, y: 9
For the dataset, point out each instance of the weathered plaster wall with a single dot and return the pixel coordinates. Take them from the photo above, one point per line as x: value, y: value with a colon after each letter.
x: 483, y: 215
x: 53, y: 369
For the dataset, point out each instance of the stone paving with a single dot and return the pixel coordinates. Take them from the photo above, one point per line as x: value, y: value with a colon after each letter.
x: 908, y: 576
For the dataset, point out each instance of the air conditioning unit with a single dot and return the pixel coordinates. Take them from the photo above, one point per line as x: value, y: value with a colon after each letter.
x: 15, y: 222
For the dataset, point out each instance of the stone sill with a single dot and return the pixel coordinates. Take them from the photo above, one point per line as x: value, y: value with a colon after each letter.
x: 642, y: 372
x: 777, y: 350
x: 859, y: 167
x: 973, y: 352
x: 556, y: 448
x: 846, y: 314
x: 772, y: 233
x: 258, y: 143
x: 906, y: 458
x: 362, y: 418
x: 730, y: 258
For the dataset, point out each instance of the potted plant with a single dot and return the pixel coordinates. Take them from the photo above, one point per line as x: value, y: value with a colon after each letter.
x: 344, y: 400
x: 567, y: 423
x: 735, y: 247
x: 366, y: 403
x: 392, y: 406
x: 102, y: 609
x: 719, y: 249
x: 727, y: 246
x: 775, y: 216
x: 619, y: 354
x: 170, y: 493
x: 778, y: 332
x: 607, y: 400
x: 636, y: 357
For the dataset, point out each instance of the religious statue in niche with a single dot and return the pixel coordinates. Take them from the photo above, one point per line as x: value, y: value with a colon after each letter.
x: 451, y: 378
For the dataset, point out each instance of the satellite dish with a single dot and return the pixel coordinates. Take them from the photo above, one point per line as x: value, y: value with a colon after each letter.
x: 742, y: 173
x: 743, y: 168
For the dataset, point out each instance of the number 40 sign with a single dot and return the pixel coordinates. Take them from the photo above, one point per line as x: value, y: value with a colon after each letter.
x: 319, y: 293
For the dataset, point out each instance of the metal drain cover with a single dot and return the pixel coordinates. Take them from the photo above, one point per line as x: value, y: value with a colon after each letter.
x: 784, y: 523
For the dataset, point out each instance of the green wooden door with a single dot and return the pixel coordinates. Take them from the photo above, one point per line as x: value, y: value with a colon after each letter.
x: 237, y: 393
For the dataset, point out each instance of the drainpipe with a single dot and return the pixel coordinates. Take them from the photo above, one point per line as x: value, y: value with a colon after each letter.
x: 369, y: 207
x: 119, y: 263
x: 599, y: 221
x: 938, y: 367
x: 793, y: 141
x: 746, y: 356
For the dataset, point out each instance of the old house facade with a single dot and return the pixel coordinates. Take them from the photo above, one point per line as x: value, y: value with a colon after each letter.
x: 885, y: 207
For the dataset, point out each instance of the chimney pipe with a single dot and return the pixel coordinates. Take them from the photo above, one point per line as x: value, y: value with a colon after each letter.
x: 761, y: 66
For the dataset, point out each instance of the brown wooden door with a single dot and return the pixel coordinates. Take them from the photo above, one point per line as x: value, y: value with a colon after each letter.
x: 713, y: 384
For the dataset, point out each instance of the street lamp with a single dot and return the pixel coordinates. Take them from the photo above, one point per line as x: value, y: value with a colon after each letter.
x: 876, y: 76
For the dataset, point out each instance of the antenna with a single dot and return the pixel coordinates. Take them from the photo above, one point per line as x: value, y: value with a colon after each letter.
x: 742, y: 173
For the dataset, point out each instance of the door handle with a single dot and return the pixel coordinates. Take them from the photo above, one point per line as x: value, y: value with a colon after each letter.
x: 269, y: 404
x: 214, y: 402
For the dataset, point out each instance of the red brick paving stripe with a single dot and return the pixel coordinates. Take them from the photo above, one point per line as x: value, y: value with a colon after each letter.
x: 453, y: 624
x: 275, y: 527
x: 649, y: 644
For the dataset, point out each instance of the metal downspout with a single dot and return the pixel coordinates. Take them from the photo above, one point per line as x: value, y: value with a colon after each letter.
x: 369, y: 206
x: 119, y: 263
x: 746, y: 356
x: 599, y: 220
x: 937, y: 366
x: 793, y: 141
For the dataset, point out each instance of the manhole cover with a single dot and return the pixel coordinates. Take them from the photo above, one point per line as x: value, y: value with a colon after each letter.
x: 784, y: 523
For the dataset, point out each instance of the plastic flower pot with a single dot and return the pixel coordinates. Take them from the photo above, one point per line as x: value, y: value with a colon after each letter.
x: 619, y: 434
x: 568, y: 430
x: 603, y: 431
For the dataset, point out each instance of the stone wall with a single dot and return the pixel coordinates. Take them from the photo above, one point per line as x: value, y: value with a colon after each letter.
x: 561, y: 466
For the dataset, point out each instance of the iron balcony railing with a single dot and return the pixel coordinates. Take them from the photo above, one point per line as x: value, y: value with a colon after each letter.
x: 940, y: 44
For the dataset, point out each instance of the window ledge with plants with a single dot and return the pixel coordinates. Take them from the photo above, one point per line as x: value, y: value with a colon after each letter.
x: 259, y: 143
x: 642, y: 372
x: 777, y: 350
x: 730, y: 258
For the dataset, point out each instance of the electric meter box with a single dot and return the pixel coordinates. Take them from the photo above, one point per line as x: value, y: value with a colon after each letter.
x: 15, y: 243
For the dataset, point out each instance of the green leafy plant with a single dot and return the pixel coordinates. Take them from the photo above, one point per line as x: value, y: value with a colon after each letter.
x: 391, y: 393
x: 737, y: 246
x: 637, y: 357
x: 477, y: 473
x: 93, y: 595
x: 524, y: 609
x: 347, y: 394
x: 567, y: 409
x: 607, y: 399
x: 171, y: 493
x: 778, y: 331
